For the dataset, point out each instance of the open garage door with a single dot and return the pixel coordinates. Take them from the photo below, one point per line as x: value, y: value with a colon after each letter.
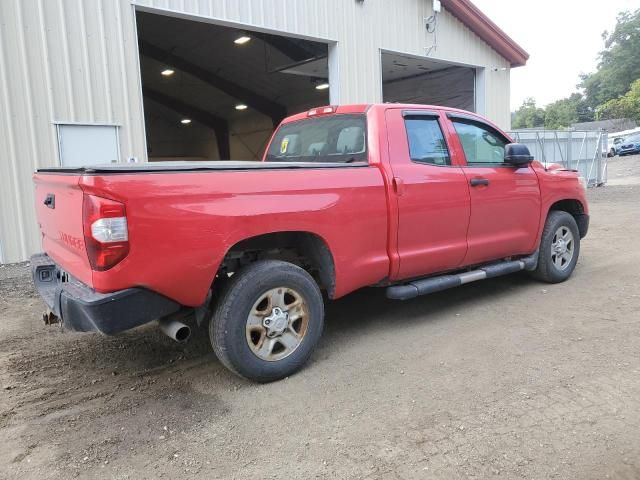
x: 407, y: 79
x: 214, y: 92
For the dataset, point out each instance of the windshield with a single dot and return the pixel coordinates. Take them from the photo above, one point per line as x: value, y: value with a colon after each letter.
x: 334, y: 138
x: 633, y: 139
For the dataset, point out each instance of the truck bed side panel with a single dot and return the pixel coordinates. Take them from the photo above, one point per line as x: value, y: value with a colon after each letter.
x: 182, y: 224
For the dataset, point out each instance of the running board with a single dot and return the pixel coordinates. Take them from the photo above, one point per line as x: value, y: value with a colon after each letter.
x: 443, y: 282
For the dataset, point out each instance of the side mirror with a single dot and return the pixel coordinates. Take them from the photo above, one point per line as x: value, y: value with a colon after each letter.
x: 517, y: 154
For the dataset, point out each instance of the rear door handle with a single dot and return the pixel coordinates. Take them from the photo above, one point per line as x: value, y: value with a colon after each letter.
x: 398, y: 186
x: 476, y: 182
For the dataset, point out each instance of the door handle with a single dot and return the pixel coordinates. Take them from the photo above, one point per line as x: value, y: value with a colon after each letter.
x: 50, y: 200
x: 398, y: 186
x: 476, y: 182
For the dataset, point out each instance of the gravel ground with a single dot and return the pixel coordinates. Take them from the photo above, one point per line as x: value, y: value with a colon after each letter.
x: 506, y: 378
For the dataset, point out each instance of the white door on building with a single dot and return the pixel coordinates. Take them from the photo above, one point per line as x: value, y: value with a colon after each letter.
x: 84, y: 145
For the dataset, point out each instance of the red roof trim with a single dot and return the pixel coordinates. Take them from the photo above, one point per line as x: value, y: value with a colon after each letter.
x: 481, y: 25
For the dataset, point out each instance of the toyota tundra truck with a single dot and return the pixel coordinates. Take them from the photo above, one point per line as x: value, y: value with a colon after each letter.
x: 411, y: 199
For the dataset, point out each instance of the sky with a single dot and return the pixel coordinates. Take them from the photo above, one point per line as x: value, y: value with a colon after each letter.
x: 562, y: 37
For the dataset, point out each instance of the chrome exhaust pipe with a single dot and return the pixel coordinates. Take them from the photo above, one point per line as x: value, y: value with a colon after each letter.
x: 174, y: 329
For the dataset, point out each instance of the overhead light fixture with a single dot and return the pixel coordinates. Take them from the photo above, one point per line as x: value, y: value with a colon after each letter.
x: 241, y: 106
x: 242, y: 40
x: 185, y: 121
x: 167, y: 72
x: 322, y: 86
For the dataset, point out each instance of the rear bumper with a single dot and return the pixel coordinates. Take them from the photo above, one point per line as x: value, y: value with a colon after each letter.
x: 82, y: 309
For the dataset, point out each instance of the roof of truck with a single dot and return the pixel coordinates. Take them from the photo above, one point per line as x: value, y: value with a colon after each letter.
x: 364, y: 107
x: 360, y: 108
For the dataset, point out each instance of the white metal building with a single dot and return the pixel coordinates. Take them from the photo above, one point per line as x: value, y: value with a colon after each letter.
x: 96, y: 81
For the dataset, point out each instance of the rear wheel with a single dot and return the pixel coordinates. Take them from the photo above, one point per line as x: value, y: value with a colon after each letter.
x: 267, y: 321
x: 559, y: 248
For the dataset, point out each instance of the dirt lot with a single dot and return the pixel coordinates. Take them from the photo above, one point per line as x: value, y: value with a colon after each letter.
x: 506, y: 378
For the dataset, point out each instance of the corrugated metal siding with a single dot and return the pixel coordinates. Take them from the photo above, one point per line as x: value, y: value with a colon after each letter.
x: 60, y: 61
x: 77, y: 61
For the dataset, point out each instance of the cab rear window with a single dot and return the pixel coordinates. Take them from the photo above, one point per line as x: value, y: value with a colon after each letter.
x: 338, y: 138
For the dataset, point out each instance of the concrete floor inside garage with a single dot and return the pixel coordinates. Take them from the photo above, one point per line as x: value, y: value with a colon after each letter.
x: 214, y: 92
x: 506, y: 378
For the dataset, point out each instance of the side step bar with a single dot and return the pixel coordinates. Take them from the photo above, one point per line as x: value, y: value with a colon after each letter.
x: 443, y: 282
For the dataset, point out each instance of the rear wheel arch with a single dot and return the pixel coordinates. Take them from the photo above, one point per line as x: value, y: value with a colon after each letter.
x: 256, y: 332
x: 304, y: 249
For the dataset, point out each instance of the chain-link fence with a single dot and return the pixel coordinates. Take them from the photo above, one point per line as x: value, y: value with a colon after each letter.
x: 584, y: 151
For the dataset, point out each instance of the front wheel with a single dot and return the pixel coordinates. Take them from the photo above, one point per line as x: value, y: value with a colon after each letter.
x: 267, y: 321
x: 559, y: 248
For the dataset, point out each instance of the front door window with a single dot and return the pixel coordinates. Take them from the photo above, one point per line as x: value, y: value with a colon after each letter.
x: 481, y: 145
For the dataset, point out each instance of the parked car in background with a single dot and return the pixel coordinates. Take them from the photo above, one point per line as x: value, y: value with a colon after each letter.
x: 616, y: 142
x: 412, y: 199
x: 630, y: 146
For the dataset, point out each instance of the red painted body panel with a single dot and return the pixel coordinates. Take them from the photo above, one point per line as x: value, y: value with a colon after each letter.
x: 505, y: 214
x: 434, y: 208
x: 182, y: 224
x: 392, y: 219
x: 557, y: 185
x: 61, y: 227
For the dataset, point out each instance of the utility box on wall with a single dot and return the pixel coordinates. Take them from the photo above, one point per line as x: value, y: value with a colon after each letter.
x: 81, y: 145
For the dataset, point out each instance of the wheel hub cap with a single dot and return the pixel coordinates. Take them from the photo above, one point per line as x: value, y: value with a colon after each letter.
x: 276, y: 323
x: 562, y: 248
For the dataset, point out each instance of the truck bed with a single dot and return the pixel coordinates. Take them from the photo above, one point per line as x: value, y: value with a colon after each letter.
x: 183, y: 217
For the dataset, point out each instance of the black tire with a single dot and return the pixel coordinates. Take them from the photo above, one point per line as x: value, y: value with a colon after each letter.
x: 228, y: 328
x: 547, y: 270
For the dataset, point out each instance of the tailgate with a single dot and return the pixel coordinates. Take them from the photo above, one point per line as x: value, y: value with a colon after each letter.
x: 58, y: 200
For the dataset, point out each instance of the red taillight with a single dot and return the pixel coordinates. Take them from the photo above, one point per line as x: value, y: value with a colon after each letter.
x: 106, y: 234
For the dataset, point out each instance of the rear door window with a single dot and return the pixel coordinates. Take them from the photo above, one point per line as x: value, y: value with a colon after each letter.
x: 426, y: 141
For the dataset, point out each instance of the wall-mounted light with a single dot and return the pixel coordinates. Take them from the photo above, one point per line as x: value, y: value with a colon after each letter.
x: 185, y: 121
x: 241, y: 106
x: 322, y: 86
x: 242, y: 40
x: 167, y: 72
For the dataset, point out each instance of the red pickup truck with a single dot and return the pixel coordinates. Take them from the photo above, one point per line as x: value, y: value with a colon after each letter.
x: 413, y: 199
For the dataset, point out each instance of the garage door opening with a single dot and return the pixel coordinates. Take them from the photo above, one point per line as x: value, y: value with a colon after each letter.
x: 214, y: 92
x: 408, y: 79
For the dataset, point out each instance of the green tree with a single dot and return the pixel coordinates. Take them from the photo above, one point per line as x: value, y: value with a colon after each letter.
x: 619, y: 64
x: 562, y: 113
x: 627, y: 106
x: 528, y: 115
